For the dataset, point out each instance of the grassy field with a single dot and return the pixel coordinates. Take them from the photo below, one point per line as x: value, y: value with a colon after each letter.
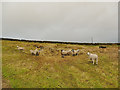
x: 49, y: 70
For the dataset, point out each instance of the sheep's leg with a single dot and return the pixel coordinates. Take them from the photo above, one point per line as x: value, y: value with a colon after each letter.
x: 33, y: 53
x: 62, y: 56
x: 37, y: 54
x: 96, y: 61
x: 73, y: 54
x: 93, y: 61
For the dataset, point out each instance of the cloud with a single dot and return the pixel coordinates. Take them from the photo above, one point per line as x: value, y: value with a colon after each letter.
x: 61, y: 21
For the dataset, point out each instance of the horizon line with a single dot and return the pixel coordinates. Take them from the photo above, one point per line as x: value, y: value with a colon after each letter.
x: 54, y: 41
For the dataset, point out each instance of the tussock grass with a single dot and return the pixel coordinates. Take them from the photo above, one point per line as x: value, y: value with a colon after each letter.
x: 49, y: 70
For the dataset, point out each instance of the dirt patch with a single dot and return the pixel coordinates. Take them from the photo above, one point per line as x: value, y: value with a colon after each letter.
x: 5, y: 83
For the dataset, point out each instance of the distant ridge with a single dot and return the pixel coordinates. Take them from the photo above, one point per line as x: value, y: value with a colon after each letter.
x: 24, y: 40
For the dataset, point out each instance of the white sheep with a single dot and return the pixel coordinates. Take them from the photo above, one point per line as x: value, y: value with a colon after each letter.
x: 20, y: 48
x: 35, y: 52
x: 32, y: 52
x: 93, y: 57
x: 70, y: 52
x: 66, y: 52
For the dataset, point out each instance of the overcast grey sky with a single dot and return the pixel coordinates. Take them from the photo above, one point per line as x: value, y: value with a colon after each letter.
x: 61, y: 21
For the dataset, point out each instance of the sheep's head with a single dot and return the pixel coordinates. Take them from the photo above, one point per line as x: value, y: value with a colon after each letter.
x: 17, y: 46
x: 37, y: 47
x: 88, y: 53
x: 61, y: 50
x: 72, y: 50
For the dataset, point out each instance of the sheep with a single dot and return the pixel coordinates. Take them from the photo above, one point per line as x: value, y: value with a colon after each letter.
x: 32, y: 52
x: 35, y: 52
x: 69, y: 52
x: 93, y: 57
x: 20, y: 48
x: 75, y: 52
x: 65, y: 52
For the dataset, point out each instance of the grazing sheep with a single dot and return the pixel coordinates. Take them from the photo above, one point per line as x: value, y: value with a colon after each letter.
x: 32, y: 52
x: 93, y: 57
x: 75, y: 52
x: 20, y: 48
x: 35, y: 52
x: 65, y: 52
x: 69, y: 52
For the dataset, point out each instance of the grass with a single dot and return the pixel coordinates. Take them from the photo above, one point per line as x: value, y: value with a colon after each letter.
x: 49, y: 70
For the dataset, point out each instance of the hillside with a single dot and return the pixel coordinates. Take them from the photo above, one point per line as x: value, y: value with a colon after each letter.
x: 50, y: 70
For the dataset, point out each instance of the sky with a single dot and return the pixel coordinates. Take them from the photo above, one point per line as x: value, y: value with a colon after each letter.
x: 61, y: 21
